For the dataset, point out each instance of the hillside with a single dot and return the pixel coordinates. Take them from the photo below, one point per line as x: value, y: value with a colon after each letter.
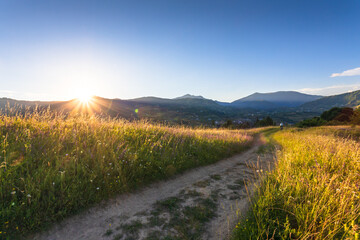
x: 188, y: 109
x: 255, y: 104
x: 275, y: 100
x: 56, y: 165
x: 351, y: 99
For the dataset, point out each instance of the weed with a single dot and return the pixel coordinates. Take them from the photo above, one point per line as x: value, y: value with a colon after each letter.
x: 132, y: 228
x: 192, y: 194
x: 54, y: 165
x: 216, y: 177
x: 202, y: 184
x: 118, y: 236
x: 155, y: 220
x: 108, y: 232
x: 170, y: 204
x: 312, y: 194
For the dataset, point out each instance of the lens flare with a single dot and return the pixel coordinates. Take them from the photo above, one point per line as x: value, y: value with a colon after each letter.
x: 85, y: 97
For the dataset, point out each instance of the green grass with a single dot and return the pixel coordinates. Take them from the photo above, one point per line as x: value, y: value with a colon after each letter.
x: 190, y: 222
x: 170, y: 204
x: 269, y: 143
x: 313, y: 193
x: 132, y: 229
x: 53, y: 166
x: 216, y: 177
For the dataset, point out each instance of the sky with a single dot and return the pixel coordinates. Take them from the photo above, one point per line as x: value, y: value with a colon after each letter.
x: 223, y: 50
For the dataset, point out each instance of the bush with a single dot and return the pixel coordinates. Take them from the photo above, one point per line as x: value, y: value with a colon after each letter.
x: 334, y: 116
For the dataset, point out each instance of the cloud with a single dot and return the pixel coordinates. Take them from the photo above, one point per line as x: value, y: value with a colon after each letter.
x: 331, y: 90
x: 351, y: 72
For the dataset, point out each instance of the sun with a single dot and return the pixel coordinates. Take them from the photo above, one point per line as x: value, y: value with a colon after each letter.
x: 85, y: 97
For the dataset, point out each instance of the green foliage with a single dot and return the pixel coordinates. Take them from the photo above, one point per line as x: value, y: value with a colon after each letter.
x: 334, y: 116
x: 316, y: 121
x: 268, y: 121
x: 330, y: 114
x: 52, y: 166
x: 312, y: 194
x: 229, y: 124
x: 355, y: 119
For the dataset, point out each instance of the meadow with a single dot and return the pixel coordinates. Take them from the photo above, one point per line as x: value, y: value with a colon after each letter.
x: 55, y: 165
x: 314, y: 190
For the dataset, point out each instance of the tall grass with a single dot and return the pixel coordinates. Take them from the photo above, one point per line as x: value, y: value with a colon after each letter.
x: 53, y: 166
x: 314, y: 192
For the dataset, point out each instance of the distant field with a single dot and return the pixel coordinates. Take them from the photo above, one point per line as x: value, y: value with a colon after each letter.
x: 54, y: 166
x: 314, y: 191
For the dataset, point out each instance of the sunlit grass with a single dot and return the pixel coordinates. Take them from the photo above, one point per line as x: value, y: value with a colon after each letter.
x: 314, y: 192
x: 53, y: 166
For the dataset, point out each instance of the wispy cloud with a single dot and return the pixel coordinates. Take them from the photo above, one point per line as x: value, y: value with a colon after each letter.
x: 351, y: 72
x: 331, y: 90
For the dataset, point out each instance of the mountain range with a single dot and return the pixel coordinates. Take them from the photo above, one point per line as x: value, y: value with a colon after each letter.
x: 287, y: 106
x: 274, y: 100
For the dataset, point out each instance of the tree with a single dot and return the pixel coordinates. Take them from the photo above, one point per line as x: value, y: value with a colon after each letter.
x: 268, y: 121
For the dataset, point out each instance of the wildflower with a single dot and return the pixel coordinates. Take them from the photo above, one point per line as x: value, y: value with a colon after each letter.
x: 13, y: 192
x: 29, y: 196
x: 97, y: 188
x: 91, y: 180
x: 53, y: 183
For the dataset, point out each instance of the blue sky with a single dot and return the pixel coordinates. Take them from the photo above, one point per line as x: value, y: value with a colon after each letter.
x: 223, y: 50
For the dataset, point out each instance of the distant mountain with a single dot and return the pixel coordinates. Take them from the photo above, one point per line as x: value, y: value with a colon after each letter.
x: 351, y: 99
x: 188, y: 109
x: 274, y: 100
x: 186, y: 100
x: 190, y: 96
x: 154, y: 100
x: 8, y: 102
x: 259, y: 104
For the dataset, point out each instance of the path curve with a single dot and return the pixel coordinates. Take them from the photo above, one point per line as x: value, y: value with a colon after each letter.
x: 94, y: 222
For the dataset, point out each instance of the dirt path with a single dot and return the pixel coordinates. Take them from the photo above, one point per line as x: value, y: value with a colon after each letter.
x: 202, y: 203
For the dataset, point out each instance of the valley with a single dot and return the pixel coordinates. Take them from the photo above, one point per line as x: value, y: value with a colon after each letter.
x: 288, y: 107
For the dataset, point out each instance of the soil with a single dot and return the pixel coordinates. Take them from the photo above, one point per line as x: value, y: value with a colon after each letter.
x: 202, y: 203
